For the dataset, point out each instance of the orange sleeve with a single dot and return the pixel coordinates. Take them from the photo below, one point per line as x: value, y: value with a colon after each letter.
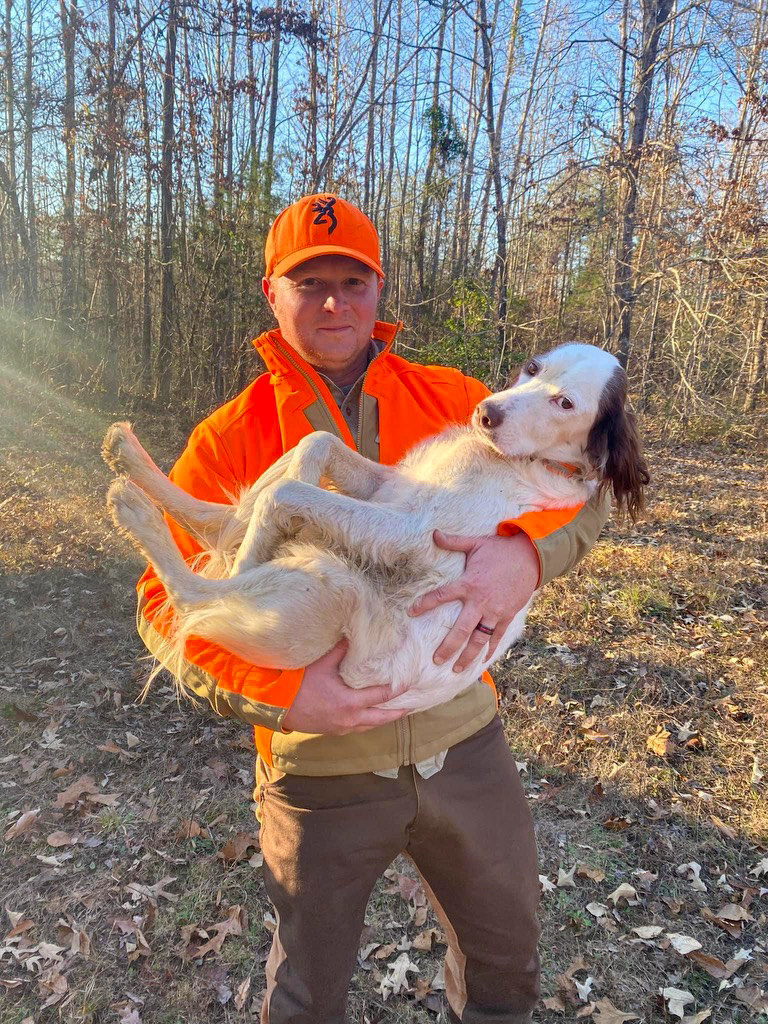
x: 234, y: 687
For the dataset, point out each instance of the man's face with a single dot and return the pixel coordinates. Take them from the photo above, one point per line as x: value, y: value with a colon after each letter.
x: 326, y: 309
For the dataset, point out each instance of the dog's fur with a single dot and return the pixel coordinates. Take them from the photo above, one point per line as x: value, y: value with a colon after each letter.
x: 327, y: 544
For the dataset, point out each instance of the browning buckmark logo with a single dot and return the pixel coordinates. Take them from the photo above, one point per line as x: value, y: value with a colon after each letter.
x: 325, y: 215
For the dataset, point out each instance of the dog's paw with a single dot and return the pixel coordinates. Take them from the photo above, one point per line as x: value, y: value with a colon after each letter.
x: 117, y: 447
x: 132, y: 511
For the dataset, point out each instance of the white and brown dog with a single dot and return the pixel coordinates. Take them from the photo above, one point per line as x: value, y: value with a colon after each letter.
x: 327, y: 544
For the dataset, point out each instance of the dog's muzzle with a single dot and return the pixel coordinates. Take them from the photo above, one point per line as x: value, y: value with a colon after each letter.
x: 488, y: 416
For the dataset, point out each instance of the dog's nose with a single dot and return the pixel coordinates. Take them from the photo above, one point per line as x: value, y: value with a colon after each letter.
x: 488, y: 415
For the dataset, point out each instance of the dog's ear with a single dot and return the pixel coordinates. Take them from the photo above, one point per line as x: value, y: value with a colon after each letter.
x: 613, y: 447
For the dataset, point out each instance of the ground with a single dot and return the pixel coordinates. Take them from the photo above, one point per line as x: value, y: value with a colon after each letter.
x: 636, y: 706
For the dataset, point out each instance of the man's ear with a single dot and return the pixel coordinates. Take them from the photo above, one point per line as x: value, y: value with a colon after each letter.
x: 269, y: 292
x: 381, y: 285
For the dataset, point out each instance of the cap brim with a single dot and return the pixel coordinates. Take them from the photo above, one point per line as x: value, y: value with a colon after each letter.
x: 302, y: 255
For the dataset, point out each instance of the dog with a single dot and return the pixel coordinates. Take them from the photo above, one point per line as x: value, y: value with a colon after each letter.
x: 327, y: 544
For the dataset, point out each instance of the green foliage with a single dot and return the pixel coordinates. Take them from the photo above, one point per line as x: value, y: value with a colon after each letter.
x: 445, y: 136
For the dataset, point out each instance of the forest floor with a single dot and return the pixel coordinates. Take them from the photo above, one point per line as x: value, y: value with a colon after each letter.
x: 636, y: 706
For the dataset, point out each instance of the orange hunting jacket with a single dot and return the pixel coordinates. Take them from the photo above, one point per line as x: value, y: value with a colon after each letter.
x: 401, y: 403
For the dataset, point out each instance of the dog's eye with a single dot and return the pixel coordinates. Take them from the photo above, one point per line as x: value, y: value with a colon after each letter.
x: 563, y: 402
x: 532, y: 368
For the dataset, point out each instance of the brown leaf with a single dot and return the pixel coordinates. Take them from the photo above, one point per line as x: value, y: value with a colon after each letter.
x: 584, y: 871
x: 713, y: 965
x: 607, y: 1013
x: 555, y: 1003
x: 753, y: 997
x: 732, y: 927
x: 617, y: 824
x: 661, y: 742
x: 233, y: 924
x: 73, y: 792
x: 241, y: 996
x: 237, y: 847
x: 726, y: 830
x: 425, y: 940
x: 188, y: 829
x: 408, y: 888
x: 139, y: 946
x: 61, y: 839
x: 54, y: 984
x: 22, y: 824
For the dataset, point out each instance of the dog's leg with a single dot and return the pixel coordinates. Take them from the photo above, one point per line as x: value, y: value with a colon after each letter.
x: 282, y: 615
x: 143, y: 522
x: 344, y: 522
x: 206, y: 520
x: 323, y: 457
x: 318, y: 460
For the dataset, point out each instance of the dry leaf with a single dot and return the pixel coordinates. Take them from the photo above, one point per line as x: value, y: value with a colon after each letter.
x: 648, y: 931
x: 546, y: 885
x: 597, y: 909
x: 609, y: 1014
x: 61, y: 839
x: 726, y: 830
x: 697, y: 1018
x: 624, y: 892
x: 684, y: 944
x: 233, y: 924
x: 396, y: 981
x: 241, y: 996
x: 73, y: 792
x: 661, y: 743
x: 188, y: 829
x: 131, y: 740
x: 676, y: 999
x: 753, y: 997
x: 565, y: 878
x: 137, y: 945
x: 237, y: 847
x: 54, y: 984
x: 692, y: 871
x: 555, y: 1003
x: 761, y: 868
x: 22, y: 824
x: 713, y: 965
x: 596, y: 874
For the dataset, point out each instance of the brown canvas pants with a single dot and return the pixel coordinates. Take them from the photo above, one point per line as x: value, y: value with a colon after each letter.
x: 468, y: 830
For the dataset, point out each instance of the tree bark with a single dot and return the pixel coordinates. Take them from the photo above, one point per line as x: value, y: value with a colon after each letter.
x: 165, y: 346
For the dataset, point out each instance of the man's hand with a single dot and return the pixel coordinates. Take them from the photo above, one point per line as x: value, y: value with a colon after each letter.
x: 500, y: 576
x: 325, y: 704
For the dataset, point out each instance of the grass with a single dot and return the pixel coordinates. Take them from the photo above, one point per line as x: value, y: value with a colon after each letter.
x: 663, y: 626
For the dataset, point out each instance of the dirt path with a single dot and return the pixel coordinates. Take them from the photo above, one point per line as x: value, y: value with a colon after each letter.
x: 636, y: 706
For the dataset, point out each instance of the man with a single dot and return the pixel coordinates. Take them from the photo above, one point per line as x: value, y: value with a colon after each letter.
x: 343, y: 786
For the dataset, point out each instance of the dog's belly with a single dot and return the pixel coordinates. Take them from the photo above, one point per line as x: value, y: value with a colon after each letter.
x: 417, y: 683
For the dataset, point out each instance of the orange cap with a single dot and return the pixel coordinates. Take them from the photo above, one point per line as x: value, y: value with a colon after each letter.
x: 321, y: 225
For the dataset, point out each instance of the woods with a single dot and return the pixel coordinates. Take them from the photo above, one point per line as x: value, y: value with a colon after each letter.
x: 537, y: 173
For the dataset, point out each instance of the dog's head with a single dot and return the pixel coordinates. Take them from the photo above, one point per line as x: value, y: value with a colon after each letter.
x: 570, y: 406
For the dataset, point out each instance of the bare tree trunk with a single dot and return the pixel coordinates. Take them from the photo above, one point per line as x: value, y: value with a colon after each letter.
x: 110, y: 277
x: 500, y: 266
x: 274, y: 68
x: 433, y: 113
x: 655, y: 15
x: 165, y: 345
x: 29, y: 133
x: 20, y: 269
x: 68, y: 10
x: 145, y: 351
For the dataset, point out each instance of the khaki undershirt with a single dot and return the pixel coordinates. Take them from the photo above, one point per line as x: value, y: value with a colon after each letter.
x: 348, y: 401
